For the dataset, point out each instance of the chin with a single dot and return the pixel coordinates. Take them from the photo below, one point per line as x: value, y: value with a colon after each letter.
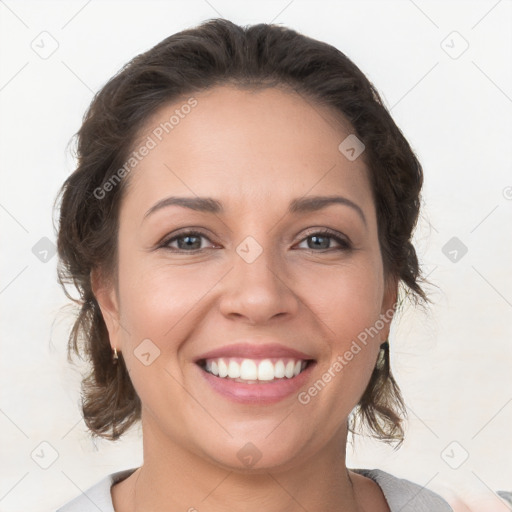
x: 257, y: 452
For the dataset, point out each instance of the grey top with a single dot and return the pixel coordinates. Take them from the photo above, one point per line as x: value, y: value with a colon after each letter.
x: 401, y: 495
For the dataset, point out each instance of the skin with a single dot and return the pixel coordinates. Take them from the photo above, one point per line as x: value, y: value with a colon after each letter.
x: 270, y: 146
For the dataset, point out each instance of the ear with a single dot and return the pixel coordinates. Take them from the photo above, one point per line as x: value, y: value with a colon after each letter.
x: 105, y: 294
x: 388, y: 305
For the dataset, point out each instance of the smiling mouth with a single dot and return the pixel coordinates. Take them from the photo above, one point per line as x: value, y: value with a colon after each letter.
x: 254, y: 371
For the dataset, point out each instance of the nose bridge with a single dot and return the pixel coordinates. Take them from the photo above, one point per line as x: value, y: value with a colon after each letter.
x: 256, y: 259
x: 256, y: 231
x: 256, y: 287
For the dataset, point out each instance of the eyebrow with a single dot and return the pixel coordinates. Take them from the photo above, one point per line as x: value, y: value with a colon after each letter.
x: 299, y: 205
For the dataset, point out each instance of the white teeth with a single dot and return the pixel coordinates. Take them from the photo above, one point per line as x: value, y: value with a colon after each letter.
x: 223, y: 368
x: 279, y: 370
x: 233, y: 370
x: 255, y: 370
x: 248, y: 370
x: 288, y: 371
x: 266, y: 370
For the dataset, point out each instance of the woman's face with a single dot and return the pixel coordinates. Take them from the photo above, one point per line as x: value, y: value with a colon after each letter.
x: 258, y: 291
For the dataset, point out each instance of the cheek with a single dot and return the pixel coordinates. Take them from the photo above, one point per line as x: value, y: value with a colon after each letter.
x: 348, y: 299
x: 159, y: 312
x: 348, y: 302
x: 159, y: 300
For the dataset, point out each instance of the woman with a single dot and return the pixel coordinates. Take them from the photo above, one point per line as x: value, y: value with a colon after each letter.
x: 239, y: 227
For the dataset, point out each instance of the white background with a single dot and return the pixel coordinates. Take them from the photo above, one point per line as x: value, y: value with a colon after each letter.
x: 453, y: 363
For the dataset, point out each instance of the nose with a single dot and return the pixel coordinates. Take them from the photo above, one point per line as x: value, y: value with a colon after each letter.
x: 257, y: 290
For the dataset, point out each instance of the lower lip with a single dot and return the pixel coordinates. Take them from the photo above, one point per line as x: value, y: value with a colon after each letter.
x: 267, y: 393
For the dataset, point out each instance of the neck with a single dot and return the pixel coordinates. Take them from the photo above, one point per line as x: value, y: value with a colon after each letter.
x: 174, y: 478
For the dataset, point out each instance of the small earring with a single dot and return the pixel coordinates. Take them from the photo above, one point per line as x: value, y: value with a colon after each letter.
x: 383, y: 353
x: 115, y: 357
x: 385, y: 345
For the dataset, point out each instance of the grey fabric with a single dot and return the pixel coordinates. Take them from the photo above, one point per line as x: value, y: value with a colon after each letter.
x: 98, y: 497
x: 401, y: 495
x: 507, y: 496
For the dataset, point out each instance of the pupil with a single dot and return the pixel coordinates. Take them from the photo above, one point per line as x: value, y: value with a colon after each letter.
x: 187, y: 239
x: 325, y: 245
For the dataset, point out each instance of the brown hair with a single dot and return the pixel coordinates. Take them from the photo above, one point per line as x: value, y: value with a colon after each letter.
x: 219, y: 52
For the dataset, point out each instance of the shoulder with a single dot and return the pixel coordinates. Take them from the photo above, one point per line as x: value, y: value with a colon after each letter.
x: 97, y: 497
x: 403, y: 495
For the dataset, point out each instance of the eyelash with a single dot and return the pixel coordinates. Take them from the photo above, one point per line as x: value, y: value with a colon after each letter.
x: 345, y: 244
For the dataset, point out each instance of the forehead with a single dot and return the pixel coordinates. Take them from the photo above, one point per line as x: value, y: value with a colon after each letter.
x: 263, y: 146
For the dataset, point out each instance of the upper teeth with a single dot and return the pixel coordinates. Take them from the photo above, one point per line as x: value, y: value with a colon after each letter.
x: 255, y: 369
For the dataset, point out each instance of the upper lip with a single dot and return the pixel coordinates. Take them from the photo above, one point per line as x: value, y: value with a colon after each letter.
x: 255, y: 351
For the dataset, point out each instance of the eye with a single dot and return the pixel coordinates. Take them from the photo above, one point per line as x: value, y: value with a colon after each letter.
x: 188, y: 241
x: 321, y: 240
